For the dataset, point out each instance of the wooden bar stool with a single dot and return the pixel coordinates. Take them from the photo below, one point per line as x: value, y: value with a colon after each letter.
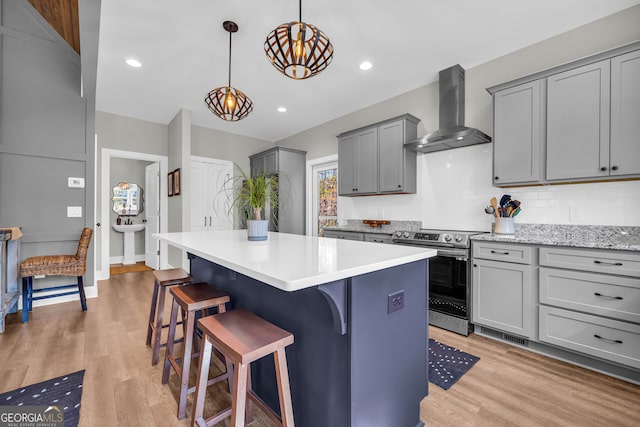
x: 191, y: 298
x: 162, y: 280
x: 242, y: 337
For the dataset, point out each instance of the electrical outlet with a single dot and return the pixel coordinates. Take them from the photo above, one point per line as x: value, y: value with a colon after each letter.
x: 395, y: 301
x: 575, y: 214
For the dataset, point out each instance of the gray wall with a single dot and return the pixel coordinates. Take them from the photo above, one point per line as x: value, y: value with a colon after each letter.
x: 46, y: 132
x: 126, y: 170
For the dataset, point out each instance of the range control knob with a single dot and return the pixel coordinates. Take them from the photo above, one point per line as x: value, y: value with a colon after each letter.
x: 398, y: 233
x: 458, y: 238
x: 406, y: 234
x: 447, y: 237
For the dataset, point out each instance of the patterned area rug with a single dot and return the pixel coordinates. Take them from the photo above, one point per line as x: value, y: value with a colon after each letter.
x: 447, y: 364
x: 65, y: 392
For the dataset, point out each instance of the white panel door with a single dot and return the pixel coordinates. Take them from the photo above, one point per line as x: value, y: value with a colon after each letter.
x: 220, y: 217
x: 199, y: 195
x: 152, y: 214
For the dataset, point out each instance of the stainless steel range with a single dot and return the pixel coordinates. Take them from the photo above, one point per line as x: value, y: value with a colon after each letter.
x: 449, y: 274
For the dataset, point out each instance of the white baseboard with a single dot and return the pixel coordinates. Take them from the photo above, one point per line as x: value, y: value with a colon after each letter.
x: 120, y: 259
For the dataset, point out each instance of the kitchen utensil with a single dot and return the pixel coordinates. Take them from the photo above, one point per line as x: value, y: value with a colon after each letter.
x: 516, y: 212
x: 504, y: 200
x: 489, y: 210
x: 494, y: 203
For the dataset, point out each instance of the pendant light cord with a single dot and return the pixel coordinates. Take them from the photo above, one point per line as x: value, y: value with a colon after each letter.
x: 230, y: 58
x: 300, y: 11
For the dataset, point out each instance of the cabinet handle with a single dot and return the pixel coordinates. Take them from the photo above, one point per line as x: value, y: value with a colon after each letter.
x: 598, y: 294
x: 205, y: 221
x: 399, y: 186
x: 499, y: 253
x: 209, y: 221
x: 475, y: 265
x: 604, y: 168
x: 607, y: 340
x: 607, y: 263
x: 615, y: 168
x: 496, y: 178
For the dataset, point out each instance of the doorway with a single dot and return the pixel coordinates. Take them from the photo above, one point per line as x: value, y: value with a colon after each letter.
x: 102, y: 271
x: 322, y: 190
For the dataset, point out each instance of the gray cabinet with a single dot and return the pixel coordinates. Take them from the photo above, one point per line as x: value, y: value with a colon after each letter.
x: 290, y: 167
x: 346, y: 235
x: 518, y: 134
x: 397, y: 165
x: 358, y: 163
x: 503, y: 296
x: 578, y: 104
x: 625, y: 114
x: 378, y: 238
x: 572, y: 123
x: 373, y: 159
x: 590, y: 302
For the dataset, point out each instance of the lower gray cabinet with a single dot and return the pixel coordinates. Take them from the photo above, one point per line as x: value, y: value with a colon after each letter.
x: 503, y: 297
x: 378, y: 238
x: 346, y: 235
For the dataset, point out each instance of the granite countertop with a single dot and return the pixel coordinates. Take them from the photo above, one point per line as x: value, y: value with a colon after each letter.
x: 578, y: 236
x: 356, y: 226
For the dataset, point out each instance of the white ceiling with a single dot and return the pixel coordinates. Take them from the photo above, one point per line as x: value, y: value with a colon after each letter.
x: 184, y: 52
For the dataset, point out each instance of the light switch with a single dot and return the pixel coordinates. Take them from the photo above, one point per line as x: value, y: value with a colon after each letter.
x: 75, y: 182
x: 74, y: 211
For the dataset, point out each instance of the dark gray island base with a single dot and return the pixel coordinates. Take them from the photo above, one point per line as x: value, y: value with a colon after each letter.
x: 353, y: 363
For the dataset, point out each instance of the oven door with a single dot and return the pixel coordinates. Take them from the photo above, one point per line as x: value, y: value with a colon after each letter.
x: 448, y: 279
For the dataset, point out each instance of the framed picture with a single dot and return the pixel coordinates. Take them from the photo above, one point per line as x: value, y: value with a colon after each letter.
x: 170, y: 184
x: 176, y: 182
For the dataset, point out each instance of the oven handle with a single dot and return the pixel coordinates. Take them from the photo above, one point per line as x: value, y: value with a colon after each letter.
x: 461, y: 255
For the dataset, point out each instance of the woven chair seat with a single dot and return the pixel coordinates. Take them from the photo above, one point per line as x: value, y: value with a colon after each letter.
x: 53, y: 265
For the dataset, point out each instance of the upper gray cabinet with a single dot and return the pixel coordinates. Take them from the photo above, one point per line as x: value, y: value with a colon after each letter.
x: 625, y: 114
x: 265, y: 162
x: 518, y: 134
x: 373, y: 159
x: 358, y: 163
x: 576, y: 122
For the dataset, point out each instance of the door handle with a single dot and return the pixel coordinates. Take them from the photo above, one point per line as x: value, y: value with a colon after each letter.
x: 205, y: 221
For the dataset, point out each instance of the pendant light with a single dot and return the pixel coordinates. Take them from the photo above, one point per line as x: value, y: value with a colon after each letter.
x: 298, y: 50
x: 227, y: 102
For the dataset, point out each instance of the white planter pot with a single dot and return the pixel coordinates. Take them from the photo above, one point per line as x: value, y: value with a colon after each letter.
x: 257, y: 230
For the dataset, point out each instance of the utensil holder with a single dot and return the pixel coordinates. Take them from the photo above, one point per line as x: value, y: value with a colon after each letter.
x: 504, y: 225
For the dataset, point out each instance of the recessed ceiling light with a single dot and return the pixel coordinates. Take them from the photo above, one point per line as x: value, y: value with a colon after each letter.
x: 133, y: 63
x: 366, y: 65
x: 282, y: 110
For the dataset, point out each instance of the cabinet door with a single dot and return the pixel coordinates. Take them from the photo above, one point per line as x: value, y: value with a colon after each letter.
x: 199, y: 196
x: 367, y: 162
x: 578, y: 122
x: 391, y: 156
x: 347, y: 165
x: 517, y: 129
x: 625, y: 114
x: 502, y: 296
x: 257, y: 164
x: 271, y: 162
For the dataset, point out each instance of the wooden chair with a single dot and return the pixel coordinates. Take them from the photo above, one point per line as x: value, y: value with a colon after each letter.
x: 242, y: 337
x: 163, y: 279
x: 191, y: 299
x: 55, y: 265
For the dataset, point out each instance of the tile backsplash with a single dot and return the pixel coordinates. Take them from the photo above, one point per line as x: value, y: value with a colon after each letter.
x: 455, y: 185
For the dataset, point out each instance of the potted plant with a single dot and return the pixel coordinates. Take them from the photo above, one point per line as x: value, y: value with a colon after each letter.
x: 251, y: 195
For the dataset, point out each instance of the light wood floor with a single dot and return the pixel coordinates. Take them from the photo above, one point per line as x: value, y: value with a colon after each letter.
x: 507, y: 387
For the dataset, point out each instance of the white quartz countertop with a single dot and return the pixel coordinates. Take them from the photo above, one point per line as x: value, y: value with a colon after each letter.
x: 291, y: 262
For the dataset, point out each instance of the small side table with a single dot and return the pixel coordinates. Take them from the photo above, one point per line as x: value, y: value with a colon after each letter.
x: 9, y: 271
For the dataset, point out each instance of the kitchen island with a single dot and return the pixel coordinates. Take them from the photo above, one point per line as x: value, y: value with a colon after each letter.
x: 357, y: 311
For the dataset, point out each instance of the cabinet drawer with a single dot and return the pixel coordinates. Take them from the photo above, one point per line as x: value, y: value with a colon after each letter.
x: 612, y: 262
x: 347, y: 235
x: 618, y: 341
x: 612, y: 296
x: 520, y: 254
x: 378, y: 238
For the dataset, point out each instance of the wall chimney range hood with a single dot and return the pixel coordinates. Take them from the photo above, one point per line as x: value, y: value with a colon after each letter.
x: 452, y: 133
